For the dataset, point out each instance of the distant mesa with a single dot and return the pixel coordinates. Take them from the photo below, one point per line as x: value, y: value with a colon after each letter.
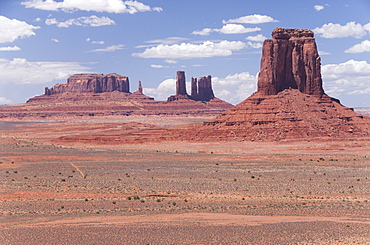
x: 92, y: 87
x: 201, y: 90
x: 92, y: 83
x: 109, y: 95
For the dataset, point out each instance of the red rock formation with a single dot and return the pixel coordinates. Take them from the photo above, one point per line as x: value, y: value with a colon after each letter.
x: 94, y: 83
x: 290, y: 60
x: 205, y: 91
x: 180, y: 83
x: 140, y: 88
x: 290, y: 101
x: 201, y: 90
x: 194, y: 87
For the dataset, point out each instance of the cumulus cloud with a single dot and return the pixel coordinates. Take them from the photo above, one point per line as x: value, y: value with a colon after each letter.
x: 348, y: 78
x: 14, y: 48
x: 4, y: 101
x: 21, y: 71
x: 318, y: 7
x: 12, y: 29
x: 362, y: 47
x: 110, y: 6
x: 93, y: 21
x: 189, y: 50
x: 111, y: 48
x: 257, y: 38
x: 254, y: 45
x: 227, y: 29
x: 351, y: 29
x: 233, y: 88
x: 163, y: 91
x: 55, y: 40
x: 251, y: 19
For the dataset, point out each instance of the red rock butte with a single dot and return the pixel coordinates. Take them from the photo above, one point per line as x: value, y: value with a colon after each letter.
x: 290, y: 101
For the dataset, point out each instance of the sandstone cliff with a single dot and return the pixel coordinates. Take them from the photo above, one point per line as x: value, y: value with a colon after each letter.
x: 290, y: 60
x: 95, y: 83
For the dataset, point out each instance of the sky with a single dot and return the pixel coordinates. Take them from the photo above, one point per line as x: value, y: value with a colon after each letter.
x: 43, y: 42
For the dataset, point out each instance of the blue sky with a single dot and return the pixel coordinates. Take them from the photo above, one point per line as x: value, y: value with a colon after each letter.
x: 43, y: 42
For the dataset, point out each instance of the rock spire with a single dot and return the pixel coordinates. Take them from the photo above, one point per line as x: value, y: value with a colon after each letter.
x: 201, y: 89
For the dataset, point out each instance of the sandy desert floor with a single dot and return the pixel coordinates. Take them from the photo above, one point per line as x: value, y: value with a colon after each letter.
x: 288, y: 192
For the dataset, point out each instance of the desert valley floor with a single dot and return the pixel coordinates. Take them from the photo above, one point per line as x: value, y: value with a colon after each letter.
x: 56, y: 191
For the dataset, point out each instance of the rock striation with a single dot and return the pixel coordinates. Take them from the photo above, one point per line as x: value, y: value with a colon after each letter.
x: 201, y: 90
x: 92, y: 83
x: 290, y: 60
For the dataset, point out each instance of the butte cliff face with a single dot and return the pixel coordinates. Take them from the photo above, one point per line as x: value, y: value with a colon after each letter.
x: 290, y: 60
x: 201, y: 90
x: 95, y: 83
x: 290, y: 101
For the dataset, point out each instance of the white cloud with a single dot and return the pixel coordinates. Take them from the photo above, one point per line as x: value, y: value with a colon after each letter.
x: 37, y: 20
x: 254, y: 45
x: 163, y: 91
x: 4, y: 101
x: 169, y: 61
x: 21, y: 71
x: 318, y: 7
x: 111, y: 48
x: 158, y: 66
x: 188, y: 50
x: 204, y: 32
x: 168, y: 41
x: 92, y: 21
x: 14, y: 48
x: 323, y: 53
x: 257, y: 38
x: 227, y: 29
x: 55, y: 40
x: 251, y: 19
x: 236, y: 29
x: 12, y: 29
x: 362, y: 47
x: 233, y: 88
x: 110, y: 6
x: 351, y: 29
x: 348, y: 78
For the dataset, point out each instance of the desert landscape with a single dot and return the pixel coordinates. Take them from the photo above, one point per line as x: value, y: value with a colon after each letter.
x: 289, y: 165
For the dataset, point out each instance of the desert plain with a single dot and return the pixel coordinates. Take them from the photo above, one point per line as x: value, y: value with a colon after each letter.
x: 95, y: 189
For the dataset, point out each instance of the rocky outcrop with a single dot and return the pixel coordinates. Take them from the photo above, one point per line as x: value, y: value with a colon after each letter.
x: 180, y: 83
x: 201, y: 90
x: 92, y: 83
x: 290, y: 102
x: 204, y: 89
x: 290, y: 60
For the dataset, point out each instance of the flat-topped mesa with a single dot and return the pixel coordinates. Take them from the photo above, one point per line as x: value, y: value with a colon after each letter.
x: 92, y: 83
x: 290, y: 60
